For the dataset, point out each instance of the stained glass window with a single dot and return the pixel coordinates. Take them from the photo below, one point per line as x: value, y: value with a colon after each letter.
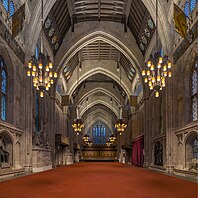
x: 11, y: 8
x: 99, y: 133
x: 161, y: 53
x: 192, y: 5
x: 194, y: 91
x: 37, y: 52
x: 186, y: 8
x: 6, y: 4
x: 3, y: 107
x: 3, y: 93
x: 195, y: 148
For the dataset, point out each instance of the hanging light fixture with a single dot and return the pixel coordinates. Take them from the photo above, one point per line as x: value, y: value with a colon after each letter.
x: 41, y: 68
x: 112, y: 138
x: 158, y: 68
x: 86, y: 138
x: 89, y: 143
x: 120, y: 125
x: 78, y: 124
x: 108, y: 143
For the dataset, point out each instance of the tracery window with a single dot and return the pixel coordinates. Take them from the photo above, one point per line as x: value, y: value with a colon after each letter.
x: 189, y: 6
x: 3, y: 93
x: 99, y: 133
x: 194, y: 91
x: 9, y: 6
x: 158, y: 153
x: 195, y: 148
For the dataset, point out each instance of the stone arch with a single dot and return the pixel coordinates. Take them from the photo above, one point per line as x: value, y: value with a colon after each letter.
x: 99, y: 89
x: 96, y: 120
x: 6, y: 149
x: 150, y: 5
x: 190, y: 162
x: 158, y: 154
x: 98, y: 70
x: 95, y: 36
x: 98, y: 111
x: 102, y: 103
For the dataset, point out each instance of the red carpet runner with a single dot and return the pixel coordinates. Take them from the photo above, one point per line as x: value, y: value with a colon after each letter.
x: 98, y: 180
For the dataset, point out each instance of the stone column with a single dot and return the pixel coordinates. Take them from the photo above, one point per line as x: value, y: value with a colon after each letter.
x: 52, y: 128
x: 27, y: 147
x: 169, y: 125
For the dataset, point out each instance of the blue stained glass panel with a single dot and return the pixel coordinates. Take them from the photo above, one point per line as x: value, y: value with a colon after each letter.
x: 12, y: 9
x: 195, y: 149
x: 37, y: 52
x: 99, y: 133
x: 192, y: 5
x: 6, y: 4
x: 161, y: 53
x: 194, y: 108
x: 3, y: 107
x: 194, y: 82
x: 4, y: 81
x: 186, y: 9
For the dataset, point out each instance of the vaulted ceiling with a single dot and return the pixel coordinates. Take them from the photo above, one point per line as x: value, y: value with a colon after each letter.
x: 101, y: 94
x: 65, y: 14
x: 99, y: 50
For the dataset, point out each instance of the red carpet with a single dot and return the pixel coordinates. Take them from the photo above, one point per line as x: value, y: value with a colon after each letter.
x: 98, y: 180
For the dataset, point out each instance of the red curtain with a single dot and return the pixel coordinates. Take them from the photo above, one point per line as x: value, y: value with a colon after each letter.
x: 137, y: 151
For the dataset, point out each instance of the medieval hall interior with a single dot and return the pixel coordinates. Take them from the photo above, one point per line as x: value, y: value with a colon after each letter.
x: 98, y: 98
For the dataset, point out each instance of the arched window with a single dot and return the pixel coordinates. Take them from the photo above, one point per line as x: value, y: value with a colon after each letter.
x: 189, y: 6
x: 5, y: 4
x: 195, y: 148
x: 3, y: 93
x: 192, y: 5
x: 99, y: 132
x: 194, y: 91
x: 158, y: 153
x: 9, y: 6
x: 186, y: 8
x: 12, y: 9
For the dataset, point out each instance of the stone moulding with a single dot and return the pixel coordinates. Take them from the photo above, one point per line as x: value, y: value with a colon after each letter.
x: 12, y: 129
x: 188, y: 128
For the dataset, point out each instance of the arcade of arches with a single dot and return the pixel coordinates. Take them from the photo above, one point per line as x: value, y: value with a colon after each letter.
x: 98, y: 50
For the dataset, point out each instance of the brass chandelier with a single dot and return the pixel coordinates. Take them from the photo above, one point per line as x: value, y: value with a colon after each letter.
x: 120, y: 125
x: 89, y: 143
x: 108, y: 143
x: 112, y: 138
x: 158, y: 68
x: 86, y: 138
x: 78, y: 124
x: 41, y: 68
